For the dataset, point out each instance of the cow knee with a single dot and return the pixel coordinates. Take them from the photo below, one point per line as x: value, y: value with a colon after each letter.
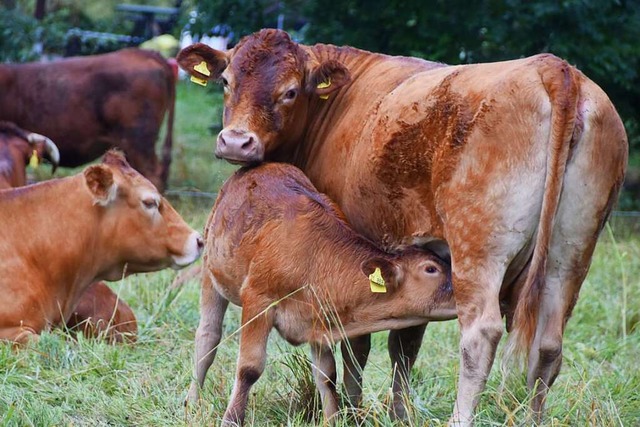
x: 545, y: 362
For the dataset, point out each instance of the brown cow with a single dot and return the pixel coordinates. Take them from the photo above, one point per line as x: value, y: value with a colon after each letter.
x: 90, y: 104
x: 17, y: 147
x: 284, y: 252
x: 64, y: 234
x: 513, y: 167
x: 101, y: 313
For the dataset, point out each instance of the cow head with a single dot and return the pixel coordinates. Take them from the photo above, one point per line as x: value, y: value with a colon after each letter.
x: 142, y: 229
x: 19, y: 148
x: 269, y: 82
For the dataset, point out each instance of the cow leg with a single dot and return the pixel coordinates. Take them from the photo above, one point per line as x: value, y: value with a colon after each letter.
x: 404, y: 345
x: 566, y: 270
x: 256, y: 325
x: 478, y: 308
x: 324, y: 374
x: 545, y: 356
x: 20, y: 335
x: 212, y: 310
x: 355, y: 353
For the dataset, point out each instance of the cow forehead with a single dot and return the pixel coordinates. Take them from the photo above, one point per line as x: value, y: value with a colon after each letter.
x: 269, y: 55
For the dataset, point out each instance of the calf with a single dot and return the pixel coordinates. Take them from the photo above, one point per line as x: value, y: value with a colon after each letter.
x: 18, y: 148
x: 285, y: 253
x: 64, y: 234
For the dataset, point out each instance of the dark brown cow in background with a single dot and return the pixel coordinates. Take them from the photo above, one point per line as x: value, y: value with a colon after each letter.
x: 513, y: 167
x: 17, y: 147
x: 90, y: 104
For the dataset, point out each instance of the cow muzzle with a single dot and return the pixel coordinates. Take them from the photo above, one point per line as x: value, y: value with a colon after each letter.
x: 239, y: 147
x: 191, y: 252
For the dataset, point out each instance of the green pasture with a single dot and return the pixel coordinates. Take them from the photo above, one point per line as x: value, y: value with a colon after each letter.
x: 61, y: 381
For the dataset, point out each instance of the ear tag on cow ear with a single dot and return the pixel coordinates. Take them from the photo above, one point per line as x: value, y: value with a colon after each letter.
x: 324, y: 85
x: 376, y: 281
x: 202, y: 69
x: 34, y: 161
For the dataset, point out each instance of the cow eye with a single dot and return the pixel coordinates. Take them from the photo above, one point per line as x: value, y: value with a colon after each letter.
x: 225, y: 82
x: 430, y: 269
x: 290, y: 94
x: 151, y: 203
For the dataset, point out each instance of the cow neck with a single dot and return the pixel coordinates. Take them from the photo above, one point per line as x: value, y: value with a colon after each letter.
x: 61, y: 245
x: 334, y: 125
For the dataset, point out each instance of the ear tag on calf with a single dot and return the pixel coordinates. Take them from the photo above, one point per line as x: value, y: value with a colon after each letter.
x: 34, y: 161
x: 377, y: 282
x: 202, y: 69
x: 324, y: 85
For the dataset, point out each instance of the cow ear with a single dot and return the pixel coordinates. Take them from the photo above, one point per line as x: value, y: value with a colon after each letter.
x: 391, y: 273
x: 199, y: 59
x: 99, y: 180
x: 327, y: 77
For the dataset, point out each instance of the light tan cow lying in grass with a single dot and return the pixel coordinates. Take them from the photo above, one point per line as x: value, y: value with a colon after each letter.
x: 284, y: 252
x: 64, y: 234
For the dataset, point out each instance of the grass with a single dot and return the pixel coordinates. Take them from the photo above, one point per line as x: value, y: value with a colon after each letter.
x: 61, y: 381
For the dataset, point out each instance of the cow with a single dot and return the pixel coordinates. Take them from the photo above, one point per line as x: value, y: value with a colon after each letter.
x: 512, y: 168
x: 63, y: 234
x: 285, y: 253
x: 90, y: 104
x: 101, y: 313
x: 19, y: 147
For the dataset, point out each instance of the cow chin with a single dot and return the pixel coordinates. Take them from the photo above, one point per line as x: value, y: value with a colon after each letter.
x: 191, y: 252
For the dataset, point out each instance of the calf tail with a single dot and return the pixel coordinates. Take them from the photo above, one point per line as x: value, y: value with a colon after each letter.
x: 560, y: 81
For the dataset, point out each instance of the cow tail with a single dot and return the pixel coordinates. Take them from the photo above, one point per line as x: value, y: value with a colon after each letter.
x: 168, y: 139
x: 561, y: 84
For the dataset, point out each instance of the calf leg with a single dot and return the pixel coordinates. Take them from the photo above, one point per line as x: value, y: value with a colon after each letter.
x: 354, y: 354
x: 324, y: 374
x: 404, y: 345
x: 253, y: 353
x: 212, y: 309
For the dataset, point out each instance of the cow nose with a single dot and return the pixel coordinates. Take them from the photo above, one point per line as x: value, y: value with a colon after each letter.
x: 239, y: 146
x: 200, y: 243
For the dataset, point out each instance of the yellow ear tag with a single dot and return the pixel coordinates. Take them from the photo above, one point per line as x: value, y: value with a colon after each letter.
x: 34, y: 161
x: 198, y: 80
x: 202, y: 69
x: 377, y: 282
x: 324, y: 85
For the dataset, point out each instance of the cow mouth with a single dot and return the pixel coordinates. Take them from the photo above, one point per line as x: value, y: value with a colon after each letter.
x: 240, y: 162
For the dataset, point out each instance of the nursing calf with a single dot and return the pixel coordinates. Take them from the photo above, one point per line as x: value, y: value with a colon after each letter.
x: 285, y: 253
x: 64, y: 234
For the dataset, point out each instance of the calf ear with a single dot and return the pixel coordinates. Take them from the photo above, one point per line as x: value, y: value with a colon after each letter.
x: 191, y: 60
x: 327, y: 78
x: 390, y: 271
x: 99, y: 180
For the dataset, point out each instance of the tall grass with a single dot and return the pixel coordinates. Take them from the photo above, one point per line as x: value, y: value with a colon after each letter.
x: 61, y: 381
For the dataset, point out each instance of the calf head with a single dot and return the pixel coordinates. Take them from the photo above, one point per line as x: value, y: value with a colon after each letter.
x: 19, y: 148
x: 417, y: 281
x: 269, y: 82
x: 141, y: 228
